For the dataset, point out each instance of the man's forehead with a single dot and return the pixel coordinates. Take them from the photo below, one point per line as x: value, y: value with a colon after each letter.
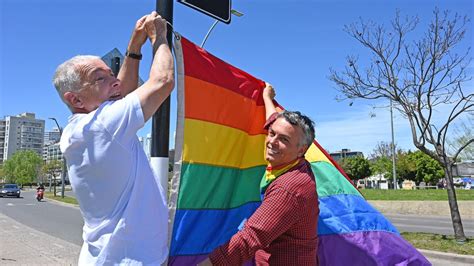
x: 92, y: 67
x: 285, y: 128
x: 281, y: 123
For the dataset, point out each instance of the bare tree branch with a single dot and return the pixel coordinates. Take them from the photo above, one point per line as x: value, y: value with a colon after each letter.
x: 418, y: 76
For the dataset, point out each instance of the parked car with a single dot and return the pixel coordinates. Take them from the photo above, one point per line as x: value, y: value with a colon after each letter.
x: 10, y: 190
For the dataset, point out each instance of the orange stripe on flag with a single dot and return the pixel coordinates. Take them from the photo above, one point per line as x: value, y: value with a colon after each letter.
x: 212, y: 103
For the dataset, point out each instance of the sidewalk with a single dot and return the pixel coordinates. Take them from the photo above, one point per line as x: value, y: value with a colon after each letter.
x: 22, y: 245
x: 441, y: 258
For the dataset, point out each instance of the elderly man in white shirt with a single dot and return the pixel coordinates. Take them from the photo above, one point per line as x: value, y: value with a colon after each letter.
x: 122, y: 202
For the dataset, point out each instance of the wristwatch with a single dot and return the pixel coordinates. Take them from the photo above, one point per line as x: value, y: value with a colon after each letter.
x: 134, y: 56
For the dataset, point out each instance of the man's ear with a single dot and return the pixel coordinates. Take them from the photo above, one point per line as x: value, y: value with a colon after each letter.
x: 302, y: 150
x: 73, y: 100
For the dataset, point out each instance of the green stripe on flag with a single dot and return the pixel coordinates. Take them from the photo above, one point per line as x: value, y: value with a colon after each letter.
x: 212, y: 187
x: 329, y: 181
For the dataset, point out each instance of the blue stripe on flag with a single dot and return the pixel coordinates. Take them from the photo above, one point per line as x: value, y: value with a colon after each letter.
x: 201, y: 231
x: 344, y: 213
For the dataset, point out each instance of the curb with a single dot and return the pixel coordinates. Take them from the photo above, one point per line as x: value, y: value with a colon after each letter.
x: 448, y: 256
x: 72, y: 205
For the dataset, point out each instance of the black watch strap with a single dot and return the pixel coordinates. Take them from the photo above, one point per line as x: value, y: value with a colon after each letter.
x: 134, y: 56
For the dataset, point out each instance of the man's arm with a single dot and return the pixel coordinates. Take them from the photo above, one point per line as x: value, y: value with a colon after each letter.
x: 161, y: 81
x: 128, y: 74
x: 268, y: 96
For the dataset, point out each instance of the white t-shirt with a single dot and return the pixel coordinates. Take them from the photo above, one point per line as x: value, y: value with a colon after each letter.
x: 122, y: 202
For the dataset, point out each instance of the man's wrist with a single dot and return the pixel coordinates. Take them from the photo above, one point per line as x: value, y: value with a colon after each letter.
x: 134, y: 55
x: 135, y: 49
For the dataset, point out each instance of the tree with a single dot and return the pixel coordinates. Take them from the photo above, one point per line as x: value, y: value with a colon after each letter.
x: 406, y: 167
x: 2, y: 175
x: 52, y: 169
x: 426, y: 168
x: 23, y: 167
x: 381, y: 165
x: 356, y: 167
x: 419, y: 77
x: 383, y: 149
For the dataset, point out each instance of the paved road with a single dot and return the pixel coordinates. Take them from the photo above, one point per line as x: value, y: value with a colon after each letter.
x: 429, y: 224
x: 50, y: 233
x: 59, y: 220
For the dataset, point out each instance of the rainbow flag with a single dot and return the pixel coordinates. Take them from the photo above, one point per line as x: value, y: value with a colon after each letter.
x: 219, y: 161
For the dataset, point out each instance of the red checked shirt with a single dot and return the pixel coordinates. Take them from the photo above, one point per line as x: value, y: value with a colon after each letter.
x: 283, y: 230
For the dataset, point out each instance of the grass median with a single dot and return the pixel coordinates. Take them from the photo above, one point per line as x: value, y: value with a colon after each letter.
x: 424, y: 194
x: 66, y: 199
x: 440, y: 243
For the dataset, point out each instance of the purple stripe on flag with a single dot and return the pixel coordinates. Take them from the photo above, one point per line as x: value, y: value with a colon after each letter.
x: 193, y: 260
x: 368, y: 248
x: 186, y: 260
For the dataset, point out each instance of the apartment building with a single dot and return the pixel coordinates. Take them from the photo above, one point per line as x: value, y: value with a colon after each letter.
x: 345, y: 153
x: 52, y: 136
x: 20, y: 132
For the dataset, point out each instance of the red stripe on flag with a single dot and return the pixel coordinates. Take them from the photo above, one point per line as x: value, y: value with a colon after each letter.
x: 204, y: 66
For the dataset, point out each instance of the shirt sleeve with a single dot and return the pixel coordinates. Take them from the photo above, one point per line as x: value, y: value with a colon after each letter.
x: 275, y: 216
x: 270, y: 120
x: 122, y: 118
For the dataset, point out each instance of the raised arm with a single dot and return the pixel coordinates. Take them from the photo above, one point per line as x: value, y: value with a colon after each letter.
x: 268, y: 96
x: 161, y: 80
x: 128, y: 74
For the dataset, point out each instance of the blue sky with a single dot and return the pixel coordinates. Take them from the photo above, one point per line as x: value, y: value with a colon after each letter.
x: 289, y: 43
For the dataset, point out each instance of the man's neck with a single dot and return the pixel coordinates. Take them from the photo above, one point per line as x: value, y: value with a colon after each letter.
x: 280, y: 166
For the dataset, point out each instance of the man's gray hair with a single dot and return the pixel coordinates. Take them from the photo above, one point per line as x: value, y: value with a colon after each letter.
x: 303, y: 122
x: 67, y: 77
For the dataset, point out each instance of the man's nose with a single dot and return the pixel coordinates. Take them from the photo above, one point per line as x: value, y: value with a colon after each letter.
x: 272, y: 140
x: 116, y: 83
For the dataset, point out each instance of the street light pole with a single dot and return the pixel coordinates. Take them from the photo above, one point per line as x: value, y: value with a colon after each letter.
x: 394, y: 171
x: 63, y: 170
x: 209, y: 32
x: 233, y: 12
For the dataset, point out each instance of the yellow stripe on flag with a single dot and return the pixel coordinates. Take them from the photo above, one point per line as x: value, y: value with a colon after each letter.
x: 313, y: 154
x: 214, y: 144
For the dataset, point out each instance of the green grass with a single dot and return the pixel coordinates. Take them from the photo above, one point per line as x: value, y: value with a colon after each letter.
x: 425, y: 194
x: 440, y: 243
x: 66, y: 199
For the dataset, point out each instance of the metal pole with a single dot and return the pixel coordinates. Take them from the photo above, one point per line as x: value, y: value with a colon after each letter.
x: 63, y: 170
x: 160, y: 125
x: 208, y: 33
x: 394, y: 171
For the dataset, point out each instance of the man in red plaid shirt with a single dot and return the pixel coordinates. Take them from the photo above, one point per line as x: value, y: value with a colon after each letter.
x: 283, y: 230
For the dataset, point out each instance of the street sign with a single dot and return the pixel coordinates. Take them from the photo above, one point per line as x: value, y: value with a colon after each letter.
x: 218, y: 9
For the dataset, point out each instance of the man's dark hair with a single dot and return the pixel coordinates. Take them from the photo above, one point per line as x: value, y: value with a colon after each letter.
x: 303, y: 122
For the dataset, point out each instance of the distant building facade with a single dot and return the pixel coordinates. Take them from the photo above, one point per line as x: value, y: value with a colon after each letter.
x: 345, y: 153
x: 2, y: 139
x: 146, y: 144
x: 52, y: 136
x: 21, y: 132
x: 114, y: 60
x: 463, y: 169
x: 52, y: 152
